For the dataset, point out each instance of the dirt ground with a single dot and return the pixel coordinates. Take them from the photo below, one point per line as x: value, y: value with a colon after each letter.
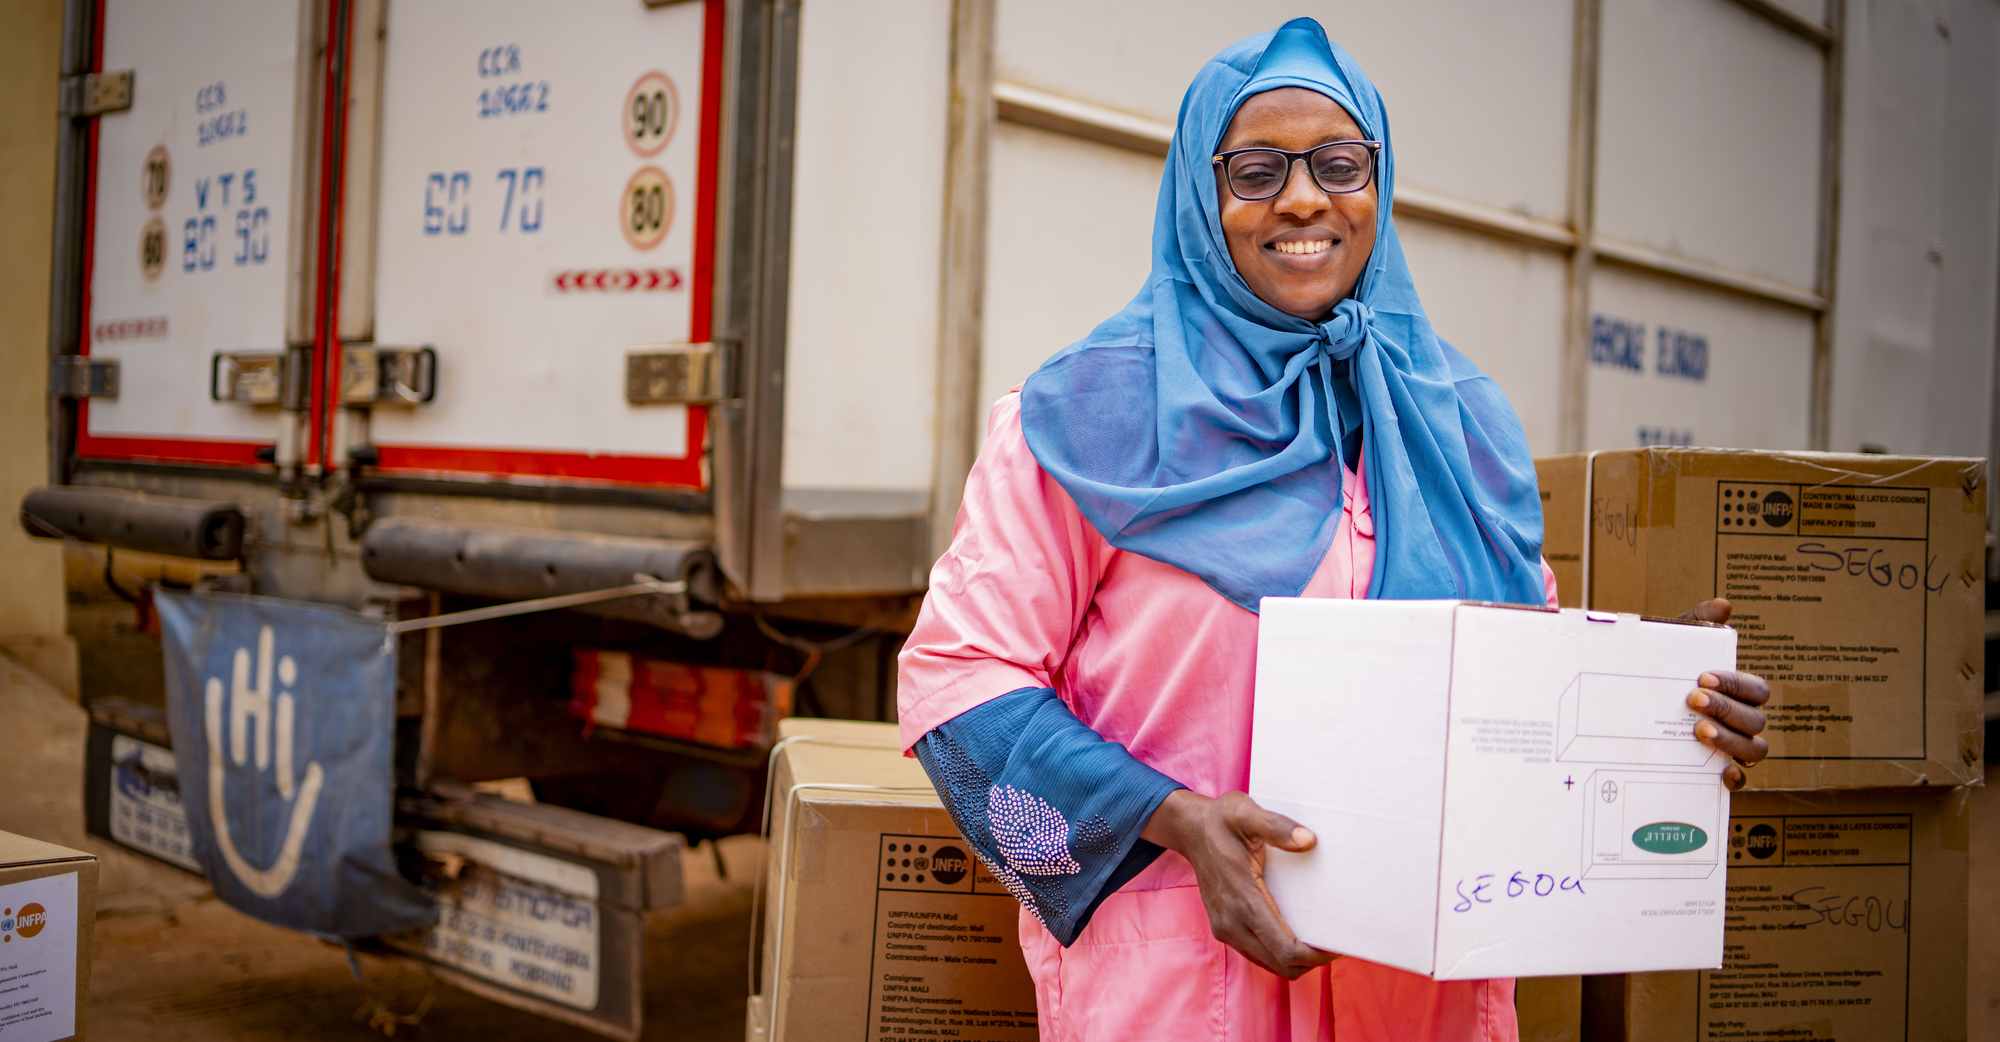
x: 175, y: 965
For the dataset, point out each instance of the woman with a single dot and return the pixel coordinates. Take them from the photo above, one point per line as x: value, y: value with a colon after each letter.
x: 1271, y: 415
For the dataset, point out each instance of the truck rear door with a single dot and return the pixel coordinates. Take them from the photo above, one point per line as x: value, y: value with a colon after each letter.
x: 203, y: 214
x: 543, y: 220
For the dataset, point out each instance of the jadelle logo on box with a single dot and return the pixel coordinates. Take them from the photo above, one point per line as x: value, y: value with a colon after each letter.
x: 1670, y: 837
x: 27, y: 923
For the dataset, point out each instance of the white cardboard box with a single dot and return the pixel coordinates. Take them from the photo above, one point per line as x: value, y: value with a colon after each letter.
x: 1498, y: 791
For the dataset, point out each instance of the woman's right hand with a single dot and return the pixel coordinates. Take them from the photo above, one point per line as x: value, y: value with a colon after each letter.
x: 1224, y: 839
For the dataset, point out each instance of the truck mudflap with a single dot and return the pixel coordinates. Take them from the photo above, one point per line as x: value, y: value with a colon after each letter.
x: 542, y: 908
x: 506, y: 563
x: 140, y: 521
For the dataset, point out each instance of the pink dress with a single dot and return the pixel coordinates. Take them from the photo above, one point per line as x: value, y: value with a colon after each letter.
x: 1029, y: 595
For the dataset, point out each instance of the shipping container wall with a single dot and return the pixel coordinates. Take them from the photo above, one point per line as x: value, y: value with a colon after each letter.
x: 1914, y: 338
x: 1480, y: 103
x: 1673, y: 170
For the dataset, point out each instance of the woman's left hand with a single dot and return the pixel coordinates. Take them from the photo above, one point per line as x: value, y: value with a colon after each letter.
x: 1730, y: 701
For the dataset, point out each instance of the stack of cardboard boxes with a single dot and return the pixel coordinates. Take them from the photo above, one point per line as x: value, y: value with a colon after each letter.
x: 879, y: 923
x: 1858, y: 587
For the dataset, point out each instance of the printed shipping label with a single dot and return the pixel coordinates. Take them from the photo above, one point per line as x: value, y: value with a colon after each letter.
x: 146, y: 812
x: 946, y: 961
x: 1832, y: 588
x: 1817, y: 936
x: 38, y: 934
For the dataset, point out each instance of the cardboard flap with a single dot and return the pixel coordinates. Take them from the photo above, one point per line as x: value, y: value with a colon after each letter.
x: 21, y: 851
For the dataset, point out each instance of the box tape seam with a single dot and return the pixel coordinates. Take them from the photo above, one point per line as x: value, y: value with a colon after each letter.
x: 1589, y: 475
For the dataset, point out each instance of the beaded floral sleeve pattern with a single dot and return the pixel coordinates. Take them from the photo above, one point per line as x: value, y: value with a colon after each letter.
x: 1015, y: 773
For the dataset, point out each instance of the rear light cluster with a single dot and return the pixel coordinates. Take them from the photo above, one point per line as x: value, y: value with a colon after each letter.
x: 725, y: 708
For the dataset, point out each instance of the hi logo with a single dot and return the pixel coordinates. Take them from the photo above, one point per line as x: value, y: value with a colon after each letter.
x: 260, y: 731
x: 27, y: 923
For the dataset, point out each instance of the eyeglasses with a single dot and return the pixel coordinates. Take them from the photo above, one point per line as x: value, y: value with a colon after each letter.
x: 1338, y: 167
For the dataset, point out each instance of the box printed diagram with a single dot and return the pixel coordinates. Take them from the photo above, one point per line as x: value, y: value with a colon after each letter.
x: 1642, y: 820
x: 1653, y: 825
x: 1623, y: 719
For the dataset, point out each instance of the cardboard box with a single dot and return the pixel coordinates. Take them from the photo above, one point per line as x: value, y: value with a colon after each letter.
x: 1857, y: 581
x: 1499, y: 791
x: 879, y: 923
x: 1846, y: 920
x: 1549, y: 1009
x: 48, y: 904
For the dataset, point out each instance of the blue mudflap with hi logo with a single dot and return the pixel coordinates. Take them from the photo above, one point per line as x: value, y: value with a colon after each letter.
x: 283, y: 715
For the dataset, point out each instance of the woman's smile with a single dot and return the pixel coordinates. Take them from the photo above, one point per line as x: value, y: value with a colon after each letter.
x: 1306, y: 250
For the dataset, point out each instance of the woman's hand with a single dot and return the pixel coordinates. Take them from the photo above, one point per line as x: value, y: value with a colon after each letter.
x: 1224, y: 839
x: 1730, y: 701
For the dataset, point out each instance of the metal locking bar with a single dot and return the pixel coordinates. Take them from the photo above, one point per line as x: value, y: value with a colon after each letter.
x: 76, y: 376
x: 678, y: 374
x: 258, y: 378
x: 372, y: 375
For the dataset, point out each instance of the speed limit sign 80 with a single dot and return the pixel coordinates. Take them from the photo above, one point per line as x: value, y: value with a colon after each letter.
x: 647, y: 209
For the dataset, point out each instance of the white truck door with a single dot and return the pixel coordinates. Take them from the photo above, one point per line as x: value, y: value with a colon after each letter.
x: 544, y: 206
x: 200, y: 228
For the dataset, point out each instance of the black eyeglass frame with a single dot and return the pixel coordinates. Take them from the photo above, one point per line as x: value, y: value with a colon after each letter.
x: 1292, y: 158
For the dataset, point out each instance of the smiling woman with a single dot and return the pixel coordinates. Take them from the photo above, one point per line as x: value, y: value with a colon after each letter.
x: 1303, y: 244
x: 1271, y: 415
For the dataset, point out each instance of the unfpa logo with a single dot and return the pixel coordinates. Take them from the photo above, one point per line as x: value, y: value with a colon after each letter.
x: 29, y: 922
x: 260, y: 732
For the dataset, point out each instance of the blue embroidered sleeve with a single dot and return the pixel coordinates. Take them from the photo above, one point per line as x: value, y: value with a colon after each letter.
x: 1052, y: 808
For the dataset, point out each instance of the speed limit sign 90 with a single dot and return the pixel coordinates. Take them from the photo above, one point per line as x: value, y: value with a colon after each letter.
x: 647, y: 209
x: 652, y: 109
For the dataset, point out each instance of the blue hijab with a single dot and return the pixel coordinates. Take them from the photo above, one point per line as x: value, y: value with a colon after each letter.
x: 1200, y: 426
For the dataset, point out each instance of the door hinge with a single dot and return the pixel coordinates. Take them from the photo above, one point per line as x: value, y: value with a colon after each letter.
x: 371, y: 375
x: 76, y: 376
x: 96, y: 93
x: 679, y: 374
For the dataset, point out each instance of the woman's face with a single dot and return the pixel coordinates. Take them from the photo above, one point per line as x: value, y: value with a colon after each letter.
x: 1301, y: 250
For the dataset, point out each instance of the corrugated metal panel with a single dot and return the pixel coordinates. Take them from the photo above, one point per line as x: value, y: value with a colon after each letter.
x: 1069, y: 243
x: 1913, y: 338
x: 1675, y: 364
x: 1708, y: 141
x: 1502, y: 304
x: 867, y: 217
x: 1479, y: 94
